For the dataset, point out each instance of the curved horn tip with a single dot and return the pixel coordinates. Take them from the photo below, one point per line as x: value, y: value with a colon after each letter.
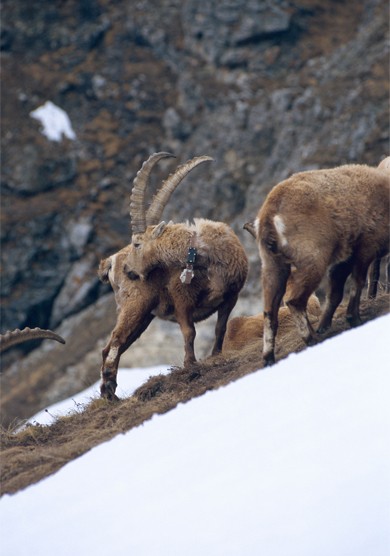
x: 153, y: 158
x: 160, y: 154
x: 165, y: 153
x: 203, y: 158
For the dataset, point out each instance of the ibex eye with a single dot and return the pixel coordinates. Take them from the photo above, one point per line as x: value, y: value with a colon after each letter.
x: 132, y: 275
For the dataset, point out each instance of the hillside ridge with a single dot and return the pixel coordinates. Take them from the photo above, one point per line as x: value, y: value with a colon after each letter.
x: 39, y: 450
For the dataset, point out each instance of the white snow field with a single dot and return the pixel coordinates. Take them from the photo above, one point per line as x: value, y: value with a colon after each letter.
x: 293, y: 460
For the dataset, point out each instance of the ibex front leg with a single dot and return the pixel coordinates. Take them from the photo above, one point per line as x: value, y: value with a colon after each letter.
x: 186, y: 322
x: 126, y: 331
x: 111, y: 355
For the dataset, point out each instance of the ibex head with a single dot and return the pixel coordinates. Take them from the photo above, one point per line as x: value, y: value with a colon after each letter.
x: 146, y: 224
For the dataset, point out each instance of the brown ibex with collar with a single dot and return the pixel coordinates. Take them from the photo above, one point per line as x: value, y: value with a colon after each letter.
x: 334, y: 220
x: 179, y: 272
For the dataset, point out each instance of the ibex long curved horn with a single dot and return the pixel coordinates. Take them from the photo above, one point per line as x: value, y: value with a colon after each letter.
x: 137, y: 201
x: 161, y: 198
x: 17, y: 336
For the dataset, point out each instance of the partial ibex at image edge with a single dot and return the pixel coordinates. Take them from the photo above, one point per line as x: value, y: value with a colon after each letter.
x: 333, y: 221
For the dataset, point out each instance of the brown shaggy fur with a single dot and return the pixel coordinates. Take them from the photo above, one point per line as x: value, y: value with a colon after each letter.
x: 243, y: 332
x: 155, y: 288
x: 336, y: 219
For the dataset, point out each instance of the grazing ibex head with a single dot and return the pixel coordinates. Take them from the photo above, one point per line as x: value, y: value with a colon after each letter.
x: 14, y: 337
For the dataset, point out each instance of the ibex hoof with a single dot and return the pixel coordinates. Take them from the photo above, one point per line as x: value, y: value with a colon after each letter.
x: 322, y: 329
x: 311, y: 340
x: 188, y: 361
x: 269, y: 360
x: 107, y: 390
x: 353, y: 321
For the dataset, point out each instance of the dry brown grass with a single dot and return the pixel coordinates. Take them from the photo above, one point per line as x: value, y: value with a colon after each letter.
x: 38, y: 451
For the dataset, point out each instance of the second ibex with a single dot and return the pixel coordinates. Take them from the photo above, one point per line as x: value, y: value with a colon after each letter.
x: 179, y: 272
x: 333, y: 221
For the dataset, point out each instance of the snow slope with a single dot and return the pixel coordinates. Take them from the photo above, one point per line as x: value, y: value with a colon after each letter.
x: 290, y: 461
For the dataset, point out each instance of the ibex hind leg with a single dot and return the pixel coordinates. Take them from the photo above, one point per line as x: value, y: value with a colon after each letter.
x: 185, y: 320
x: 223, y: 315
x: 274, y: 279
x: 373, y: 278
x: 337, y: 278
x: 299, y: 288
x: 359, y: 274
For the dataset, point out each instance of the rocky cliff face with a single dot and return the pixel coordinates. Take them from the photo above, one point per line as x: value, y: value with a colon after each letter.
x: 264, y: 87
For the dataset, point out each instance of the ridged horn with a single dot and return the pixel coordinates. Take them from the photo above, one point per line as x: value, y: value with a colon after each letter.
x: 137, y: 200
x: 14, y: 337
x: 162, y: 196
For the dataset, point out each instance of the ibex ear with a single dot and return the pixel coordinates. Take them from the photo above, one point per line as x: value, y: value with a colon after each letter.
x: 250, y: 227
x: 158, y: 230
x: 104, y: 268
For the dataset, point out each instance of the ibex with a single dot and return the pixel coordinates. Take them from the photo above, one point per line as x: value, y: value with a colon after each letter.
x: 374, y: 273
x: 178, y: 272
x: 242, y: 332
x: 14, y: 337
x: 314, y: 221
x: 373, y: 277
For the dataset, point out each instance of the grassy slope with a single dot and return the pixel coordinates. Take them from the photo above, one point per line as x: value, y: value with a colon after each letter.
x: 39, y: 451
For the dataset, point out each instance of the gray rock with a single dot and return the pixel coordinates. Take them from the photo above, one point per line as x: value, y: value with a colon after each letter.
x: 78, y: 291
